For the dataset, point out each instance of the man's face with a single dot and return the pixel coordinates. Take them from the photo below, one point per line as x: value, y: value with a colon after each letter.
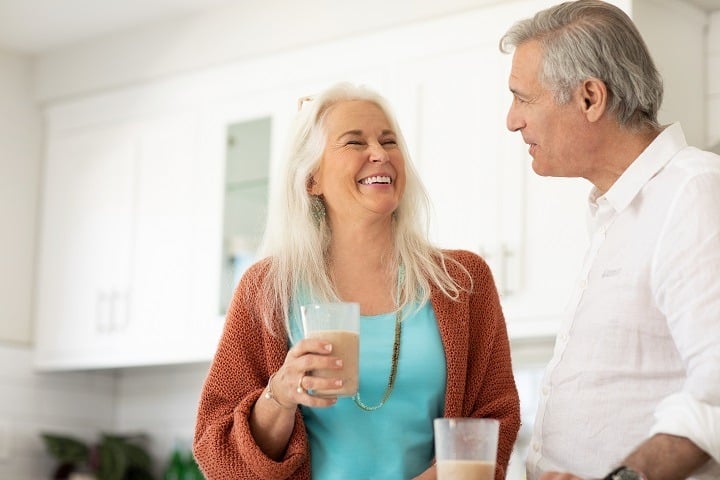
x: 554, y: 132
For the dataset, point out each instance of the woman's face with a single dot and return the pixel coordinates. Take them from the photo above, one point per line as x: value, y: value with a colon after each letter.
x: 362, y: 171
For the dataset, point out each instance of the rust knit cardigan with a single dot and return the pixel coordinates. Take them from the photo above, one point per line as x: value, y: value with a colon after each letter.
x: 480, y: 380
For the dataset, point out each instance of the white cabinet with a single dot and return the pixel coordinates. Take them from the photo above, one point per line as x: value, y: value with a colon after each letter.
x: 133, y: 265
x: 134, y: 222
x: 168, y: 206
x: 116, y: 254
x: 84, y: 276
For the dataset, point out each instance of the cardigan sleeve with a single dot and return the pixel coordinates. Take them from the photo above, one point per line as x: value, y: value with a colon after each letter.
x: 489, y: 388
x: 246, y: 355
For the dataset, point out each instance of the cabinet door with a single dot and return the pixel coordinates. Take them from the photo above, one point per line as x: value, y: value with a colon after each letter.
x: 162, y: 276
x: 85, y: 246
x: 241, y: 140
x: 450, y: 108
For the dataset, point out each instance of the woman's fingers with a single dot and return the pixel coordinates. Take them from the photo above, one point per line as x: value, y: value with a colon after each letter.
x: 296, y: 378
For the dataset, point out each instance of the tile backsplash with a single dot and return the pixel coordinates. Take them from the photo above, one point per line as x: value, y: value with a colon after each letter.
x: 77, y: 403
x: 159, y: 401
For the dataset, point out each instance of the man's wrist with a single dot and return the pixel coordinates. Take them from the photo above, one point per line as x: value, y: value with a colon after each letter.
x: 625, y: 473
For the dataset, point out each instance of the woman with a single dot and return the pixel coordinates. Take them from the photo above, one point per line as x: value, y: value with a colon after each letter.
x: 348, y: 226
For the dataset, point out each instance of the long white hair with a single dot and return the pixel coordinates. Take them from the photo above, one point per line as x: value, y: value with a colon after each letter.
x: 296, y: 241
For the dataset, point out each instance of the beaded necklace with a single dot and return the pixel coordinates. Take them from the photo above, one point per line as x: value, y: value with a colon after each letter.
x: 395, y: 355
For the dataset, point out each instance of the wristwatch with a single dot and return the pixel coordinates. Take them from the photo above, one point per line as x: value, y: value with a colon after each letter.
x: 624, y: 473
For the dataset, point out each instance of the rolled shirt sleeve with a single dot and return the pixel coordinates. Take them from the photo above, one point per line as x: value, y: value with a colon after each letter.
x: 687, y: 289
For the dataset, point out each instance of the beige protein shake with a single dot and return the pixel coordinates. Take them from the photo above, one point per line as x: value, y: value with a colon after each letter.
x: 466, y: 448
x: 465, y: 470
x: 346, y: 346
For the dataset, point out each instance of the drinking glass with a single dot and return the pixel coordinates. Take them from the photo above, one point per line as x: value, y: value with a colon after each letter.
x: 466, y: 448
x: 339, y: 324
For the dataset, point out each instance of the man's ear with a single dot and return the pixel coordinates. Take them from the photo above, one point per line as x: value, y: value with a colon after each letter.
x: 594, y: 96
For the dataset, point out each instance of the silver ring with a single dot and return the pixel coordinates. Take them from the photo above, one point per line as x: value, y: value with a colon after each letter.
x: 300, y: 388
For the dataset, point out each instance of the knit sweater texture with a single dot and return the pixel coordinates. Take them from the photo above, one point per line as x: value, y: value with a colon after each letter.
x: 480, y: 380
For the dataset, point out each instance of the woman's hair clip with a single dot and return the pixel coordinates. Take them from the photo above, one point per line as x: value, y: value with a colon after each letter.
x: 302, y: 100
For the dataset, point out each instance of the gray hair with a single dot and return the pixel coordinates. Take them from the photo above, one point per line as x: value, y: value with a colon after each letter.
x: 296, y: 241
x: 594, y: 39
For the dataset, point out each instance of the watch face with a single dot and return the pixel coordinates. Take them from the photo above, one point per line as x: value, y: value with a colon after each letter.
x: 628, y: 474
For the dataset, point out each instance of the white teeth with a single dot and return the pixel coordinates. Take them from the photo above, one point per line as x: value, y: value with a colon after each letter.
x: 376, y: 179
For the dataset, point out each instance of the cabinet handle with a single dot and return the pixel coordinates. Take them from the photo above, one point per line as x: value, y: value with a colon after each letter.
x: 113, y: 301
x: 124, y: 315
x: 112, y: 313
x: 119, y: 311
x: 102, y: 306
x: 505, y: 254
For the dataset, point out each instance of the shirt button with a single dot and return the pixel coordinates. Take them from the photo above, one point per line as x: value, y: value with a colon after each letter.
x: 545, y: 390
x: 583, y: 284
x: 536, y: 446
x: 563, y: 337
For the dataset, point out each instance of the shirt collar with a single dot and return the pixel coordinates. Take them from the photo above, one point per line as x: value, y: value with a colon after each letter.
x: 670, y: 141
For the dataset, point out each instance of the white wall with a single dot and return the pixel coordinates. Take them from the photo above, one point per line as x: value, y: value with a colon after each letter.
x: 20, y: 146
x: 675, y: 34
x: 713, y: 81
x: 239, y: 31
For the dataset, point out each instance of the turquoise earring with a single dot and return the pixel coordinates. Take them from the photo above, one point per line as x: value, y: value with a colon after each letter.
x: 318, y: 208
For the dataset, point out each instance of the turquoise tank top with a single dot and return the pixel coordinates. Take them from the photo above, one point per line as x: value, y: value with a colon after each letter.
x: 396, y: 440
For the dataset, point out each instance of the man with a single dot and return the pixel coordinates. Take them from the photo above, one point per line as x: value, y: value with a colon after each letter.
x: 633, y: 388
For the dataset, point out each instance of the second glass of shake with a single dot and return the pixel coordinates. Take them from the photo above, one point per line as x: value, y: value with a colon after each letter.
x: 465, y: 448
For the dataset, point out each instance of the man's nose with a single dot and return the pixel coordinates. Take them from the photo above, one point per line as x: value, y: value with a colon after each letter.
x: 513, y: 121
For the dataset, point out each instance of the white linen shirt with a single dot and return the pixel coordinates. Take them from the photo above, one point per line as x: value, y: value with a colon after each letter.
x: 638, y: 350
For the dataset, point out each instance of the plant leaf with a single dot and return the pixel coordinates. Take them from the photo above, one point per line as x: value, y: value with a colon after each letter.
x: 113, y: 461
x: 65, y: 449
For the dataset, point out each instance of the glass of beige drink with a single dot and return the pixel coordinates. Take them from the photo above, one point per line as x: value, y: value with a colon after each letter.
x: 339, y: 324
x: 466, y: 448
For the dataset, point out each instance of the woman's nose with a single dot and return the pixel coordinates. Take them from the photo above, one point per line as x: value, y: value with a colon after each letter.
x: 377, y: 153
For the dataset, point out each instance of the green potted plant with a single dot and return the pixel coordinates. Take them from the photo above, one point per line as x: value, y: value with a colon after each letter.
x: 114, y: 457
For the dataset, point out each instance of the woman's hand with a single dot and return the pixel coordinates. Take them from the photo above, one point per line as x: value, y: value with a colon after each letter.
x: 429, y: 474
x: 272, y: 419
x: 292, y: 381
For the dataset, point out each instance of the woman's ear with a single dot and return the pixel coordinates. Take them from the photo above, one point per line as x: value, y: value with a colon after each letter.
x: 594, y: 96
x: 312, y: 186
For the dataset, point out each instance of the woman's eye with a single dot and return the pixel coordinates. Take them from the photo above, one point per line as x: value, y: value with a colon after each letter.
x: 389, y: 142
x: 354, y: 142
